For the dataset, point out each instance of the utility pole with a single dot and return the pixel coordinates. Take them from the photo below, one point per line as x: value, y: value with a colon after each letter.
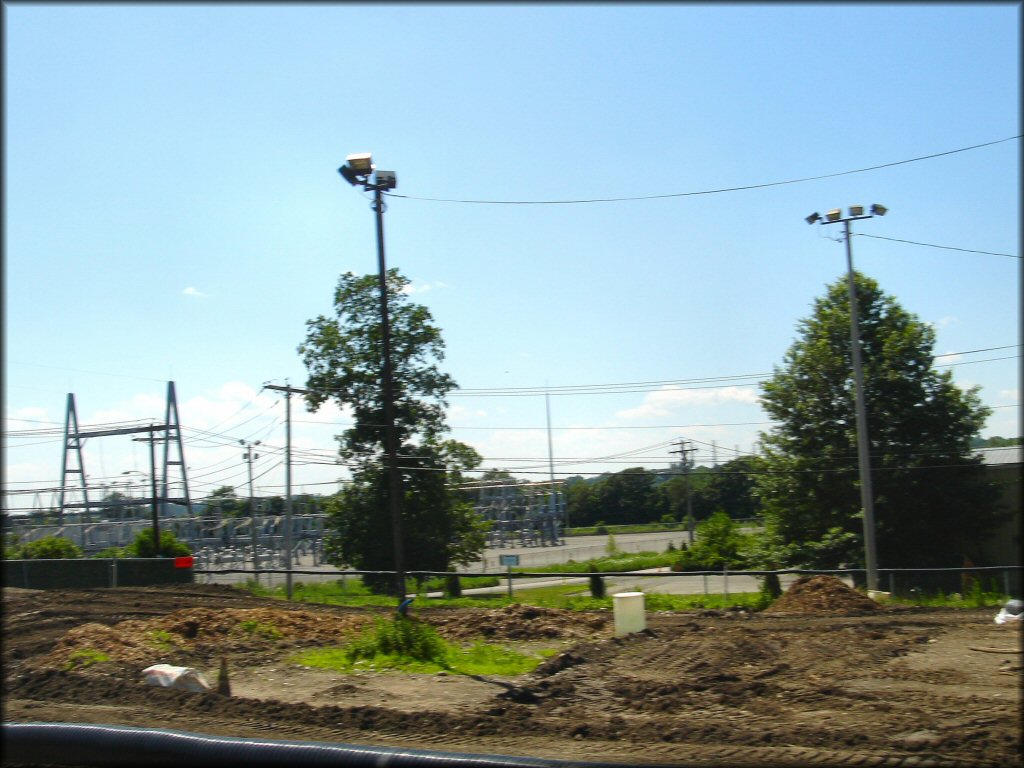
x: 835, y: 216
x: 287, y: 479
x: 248, y: 456
x: 357, y: 170
x: 684, y: 453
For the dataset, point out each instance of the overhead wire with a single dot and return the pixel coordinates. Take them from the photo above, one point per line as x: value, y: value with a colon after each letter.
x: 932, y: 245
x: 706, y: 191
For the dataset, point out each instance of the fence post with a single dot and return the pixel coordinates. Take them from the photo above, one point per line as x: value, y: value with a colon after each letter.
x: 892, y: 583
x: 1006, y: 581
x: 725, y: 580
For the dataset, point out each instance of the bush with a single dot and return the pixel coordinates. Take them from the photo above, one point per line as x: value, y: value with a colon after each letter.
x: 170, y: 545
x: 719, y: 543
x: 401, y: 637
x: 49, y: 548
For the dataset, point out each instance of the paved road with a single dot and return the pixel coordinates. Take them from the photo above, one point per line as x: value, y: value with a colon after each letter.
x: 575, y: 548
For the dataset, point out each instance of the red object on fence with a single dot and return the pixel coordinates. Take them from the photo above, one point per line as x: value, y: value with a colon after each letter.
x: 184, y: 562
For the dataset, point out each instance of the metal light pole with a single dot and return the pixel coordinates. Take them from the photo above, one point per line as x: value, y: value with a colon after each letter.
x: 835, y: 216
x: 249, y: 456
x: 357, y: 170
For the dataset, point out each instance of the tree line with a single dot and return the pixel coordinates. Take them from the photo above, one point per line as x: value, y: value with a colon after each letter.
x: 933, y: 501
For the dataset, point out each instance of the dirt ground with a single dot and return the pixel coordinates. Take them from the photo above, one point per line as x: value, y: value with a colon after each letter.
x: 824, y: 677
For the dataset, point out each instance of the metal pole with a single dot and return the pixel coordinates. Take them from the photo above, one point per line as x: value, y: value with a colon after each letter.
x: 252, y: 519
x: 288, y: 491
x: 685, y: 451
x: 152, y: 488
x: 863, y: 451
x: 387, y: 386
x: 553, y: 497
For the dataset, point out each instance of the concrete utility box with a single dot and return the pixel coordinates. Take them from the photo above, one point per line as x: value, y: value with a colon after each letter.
x: 629, y: 613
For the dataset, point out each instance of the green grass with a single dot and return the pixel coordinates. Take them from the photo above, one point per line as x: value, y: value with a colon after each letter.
x: 978, y: 597
x: 407, y: 645
x: 85, y: 657
x: 622, y: 561
x: 261, y: 628
x: 163, y: 639
x: 601, y: 530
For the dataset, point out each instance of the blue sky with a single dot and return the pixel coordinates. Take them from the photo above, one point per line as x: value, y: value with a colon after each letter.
x: 173, y: 212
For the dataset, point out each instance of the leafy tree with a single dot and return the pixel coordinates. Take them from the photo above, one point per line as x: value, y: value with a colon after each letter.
x: 931, y: 500
x: 996, y: 442
x: 224, y: 503
x: 621, y: 498
x: 170, y: 545
x: 49, y: 548
x: 719, y: 543
x: 343, y: 354
x: 730, y: 487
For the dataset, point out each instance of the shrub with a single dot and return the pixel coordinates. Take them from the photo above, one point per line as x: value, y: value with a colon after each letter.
x: 49, y: 548
x: 170, y: 545
x: 719, y: 543
x: 402, y: 637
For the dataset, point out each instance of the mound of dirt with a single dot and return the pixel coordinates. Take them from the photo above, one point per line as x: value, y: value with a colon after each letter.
x: 196, y: 634
x: 822, y: 594
x: 521, y: 622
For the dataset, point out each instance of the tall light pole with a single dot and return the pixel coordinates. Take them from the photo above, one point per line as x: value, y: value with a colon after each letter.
x: 249, y: 456
x: 835, y: 216
x: 358, y: 170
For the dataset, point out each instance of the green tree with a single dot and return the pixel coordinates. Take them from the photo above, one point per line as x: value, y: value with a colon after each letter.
x: 931, y: 500
x: 49, y: 548
x: 719, y: 543
x: 223, y: 502
x: 170, y: 545
x: 621, y: 498
x: 730, y: 487
x: 343, y: 354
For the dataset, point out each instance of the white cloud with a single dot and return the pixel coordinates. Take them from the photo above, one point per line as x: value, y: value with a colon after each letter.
x: 193, y: 292
x: 666, y: 401
x: 945, y: 322
x: 415, y: 287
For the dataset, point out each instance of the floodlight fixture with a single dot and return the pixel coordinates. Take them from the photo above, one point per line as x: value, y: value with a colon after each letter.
x: 385, y: 180
x: 357, y: 168
x: 813, y: 217
x: 834, y: 215
x: 361, y: 163
x: 877, y: 209
x: 856, y: 210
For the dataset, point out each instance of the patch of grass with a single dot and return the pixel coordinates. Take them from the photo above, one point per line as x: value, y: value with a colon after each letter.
x: 977, y: 597
x: 408, y: 645
x: 468, y: 582
x: 261, y: 628
x: 85, y: 657
x: 620, y: 561
x: 163, y: 639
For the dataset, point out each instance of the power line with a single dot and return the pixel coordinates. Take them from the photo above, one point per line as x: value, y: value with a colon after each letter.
x: 932, y: 245
x: 708, y: 191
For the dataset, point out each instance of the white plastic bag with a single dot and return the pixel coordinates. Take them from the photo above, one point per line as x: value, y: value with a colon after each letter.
x: 1012, y: 611
x: 168, y: 676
